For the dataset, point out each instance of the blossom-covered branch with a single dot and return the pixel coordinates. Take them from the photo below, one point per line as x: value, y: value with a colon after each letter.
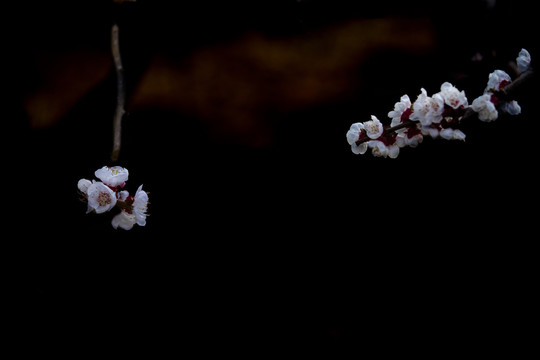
x: 438, y: 115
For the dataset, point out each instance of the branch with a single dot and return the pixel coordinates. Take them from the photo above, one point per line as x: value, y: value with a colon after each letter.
x: 507, y: 92
x: 121, y: 94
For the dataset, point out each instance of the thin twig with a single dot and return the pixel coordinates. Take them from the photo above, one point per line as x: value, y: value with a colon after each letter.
x: 120, y: 99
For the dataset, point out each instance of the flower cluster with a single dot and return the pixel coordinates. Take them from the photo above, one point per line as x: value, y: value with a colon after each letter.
x: 104, y: 195
x: 437, y: 116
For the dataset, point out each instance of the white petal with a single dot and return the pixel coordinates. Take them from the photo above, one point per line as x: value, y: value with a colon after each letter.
x: 447, y: 134
x: 140, y: 205
x: 511, y: 107
x: 123, y: 220
x: 354, y: 132
x: 459, y: 135
x: 393, y: 151
x: 112, y: 176
x: 83, y: 185
x: 359, y: 149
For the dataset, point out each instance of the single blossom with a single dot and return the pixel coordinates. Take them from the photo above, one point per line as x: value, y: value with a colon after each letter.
x: 511, y: 107
x: 427, y: 109
x: 373, y: 128
x: 353, y: 135
x: 497, y: 80
x: 401, y: 110
x: 485, y: 108
x: 452, y: 96
x: 523, y: 60
x: 112, y: 176
x: 100, y: 198
x: 124, y: 220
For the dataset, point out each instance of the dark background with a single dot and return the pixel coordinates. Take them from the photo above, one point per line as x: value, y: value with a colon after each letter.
x: 265, y: 231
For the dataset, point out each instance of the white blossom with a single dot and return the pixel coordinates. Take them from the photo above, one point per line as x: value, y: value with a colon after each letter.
x: 133, y: 212
x: 353, y: 135
x: 485, y: 108
x: 403, y: 140
x: 379, y: 149
x: 354, y: 132
x: 359, y: 149
x: 511, y: 107
x: 523, y: 60
x: 140, y: 205
x: 399, y: 108
x: 374, y: 128
x: 496, y: 79
x: 431, y: 131
x: 452, y: 96
x: 452, y: 134
x: 112, y: 176
x: 100, y: 198
x: 427, y: 109
x: 124, y: 220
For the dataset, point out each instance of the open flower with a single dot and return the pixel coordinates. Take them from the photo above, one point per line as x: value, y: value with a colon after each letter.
x: 100, y: 198
x: 374, y: 128
x: 427, y: 109
x: 112, y: 176
x: 452, y: 96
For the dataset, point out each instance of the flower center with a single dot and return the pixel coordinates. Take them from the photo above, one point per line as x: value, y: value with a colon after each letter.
x: 104, y: 199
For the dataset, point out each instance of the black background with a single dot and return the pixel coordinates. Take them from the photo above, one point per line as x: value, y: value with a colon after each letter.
x: 249, y: 250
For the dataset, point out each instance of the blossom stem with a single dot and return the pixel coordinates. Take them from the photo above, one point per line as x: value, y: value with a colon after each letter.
x: 120, y: 99
x: 508, y: 92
